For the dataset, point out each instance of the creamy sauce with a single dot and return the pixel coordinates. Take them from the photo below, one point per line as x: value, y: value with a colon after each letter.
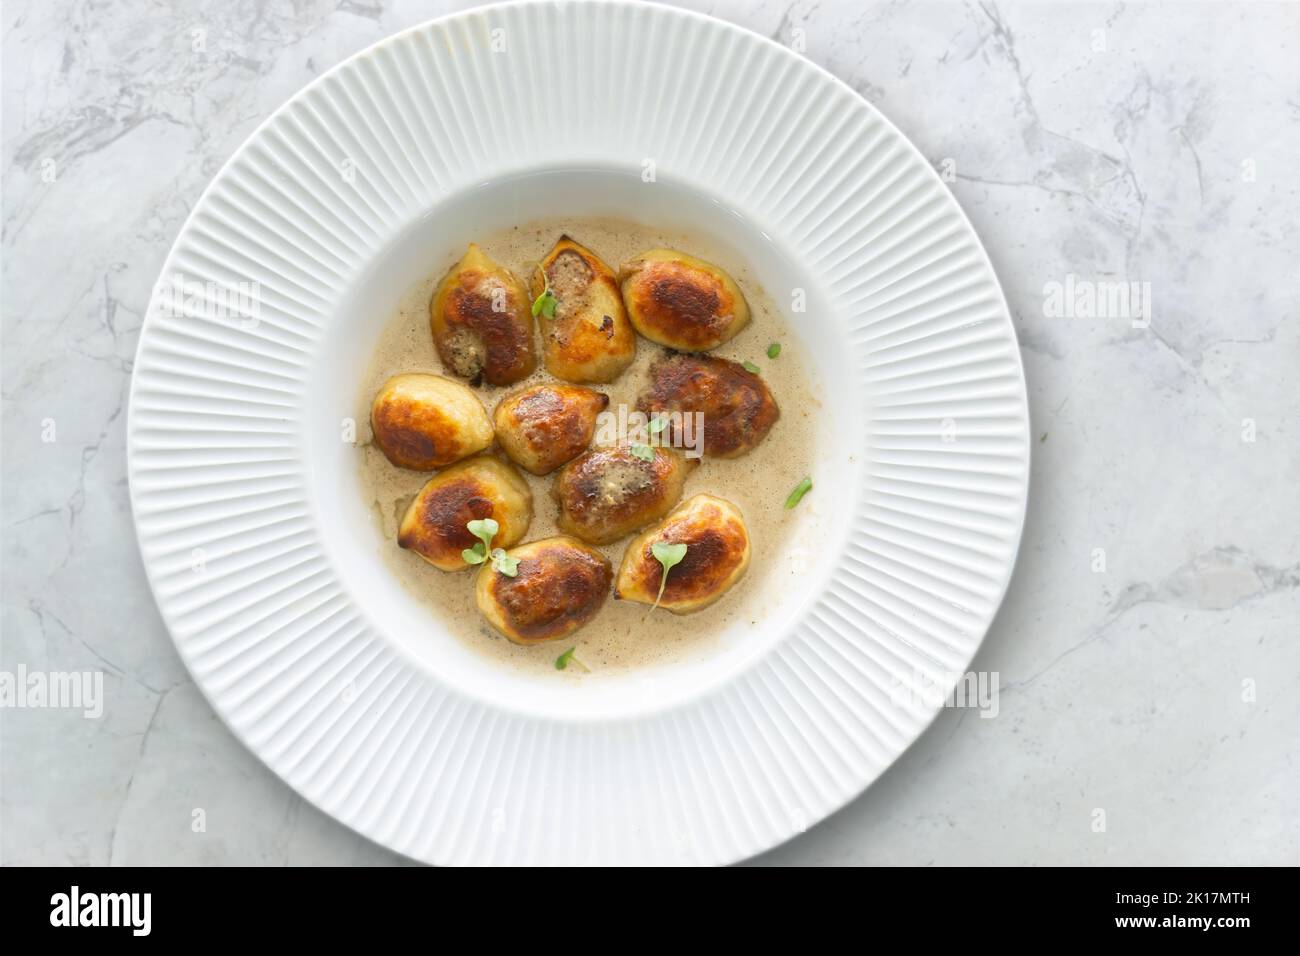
x: 624, y: 635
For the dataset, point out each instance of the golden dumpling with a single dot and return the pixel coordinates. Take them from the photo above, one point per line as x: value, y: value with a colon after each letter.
x: 436, y: 524
x: 542, y: 427
x: 716, y: 557
x: 482, y: 322
x: 682, y: 302
x: 559, y: 584
x: 586, y: 336
x: 423, y: 422
x: 610, y: 492
x: 737, y: 406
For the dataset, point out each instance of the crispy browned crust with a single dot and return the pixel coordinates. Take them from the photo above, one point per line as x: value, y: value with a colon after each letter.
x: 717, y: 546
x: 679, y: 303
x: 424, y: 421
x: 737, y: 405
x: 590, y: 338
x: 544, y: 426
x: 609, y: 492
x: 483, y: 487
x: 414, y: 434
x: 571, y: 269
x: 440, y: 531
x: 559, y: 586
x: 475, y: 341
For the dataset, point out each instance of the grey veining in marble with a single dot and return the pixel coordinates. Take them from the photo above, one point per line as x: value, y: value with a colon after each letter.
x: 1149, y: 648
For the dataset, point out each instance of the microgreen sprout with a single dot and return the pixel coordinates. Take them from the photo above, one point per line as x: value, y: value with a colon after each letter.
x: 669, y: 555
x: 774, y: 350
x: 644, y: 452
x: 504, y: 563
x: 485, y: 529
x: 751, y: 368
x: 545, y: 303
x: 564, y: 660
x: 797, y: 494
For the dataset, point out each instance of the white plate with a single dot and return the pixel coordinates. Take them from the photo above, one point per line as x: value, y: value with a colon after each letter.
x: 246, y: 500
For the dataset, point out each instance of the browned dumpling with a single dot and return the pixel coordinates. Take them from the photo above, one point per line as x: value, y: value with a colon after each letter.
x: 424, y: 422
x: 482, y: 322
x: 436, y: 524
x: 586, y: 337
x: 682, y: 302
x: 559, y: 584
x: 717, y: 554
x: 542, y: 427
x: 610, y: 492
x: 737, y: 406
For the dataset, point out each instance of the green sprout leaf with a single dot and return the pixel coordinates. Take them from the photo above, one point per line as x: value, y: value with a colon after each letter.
x: 567, y: 658
x: 774, y: 350
x: 751, y: 368
x: 485, y: 529
x: 658, y: 424
x: 669, y: 555
x: 504, y: 563
x: 545, y: 303
x: 797, y: 494
x: 644, y: 452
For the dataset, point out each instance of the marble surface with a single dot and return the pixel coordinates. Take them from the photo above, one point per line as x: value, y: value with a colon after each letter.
x: 1149, y: 648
